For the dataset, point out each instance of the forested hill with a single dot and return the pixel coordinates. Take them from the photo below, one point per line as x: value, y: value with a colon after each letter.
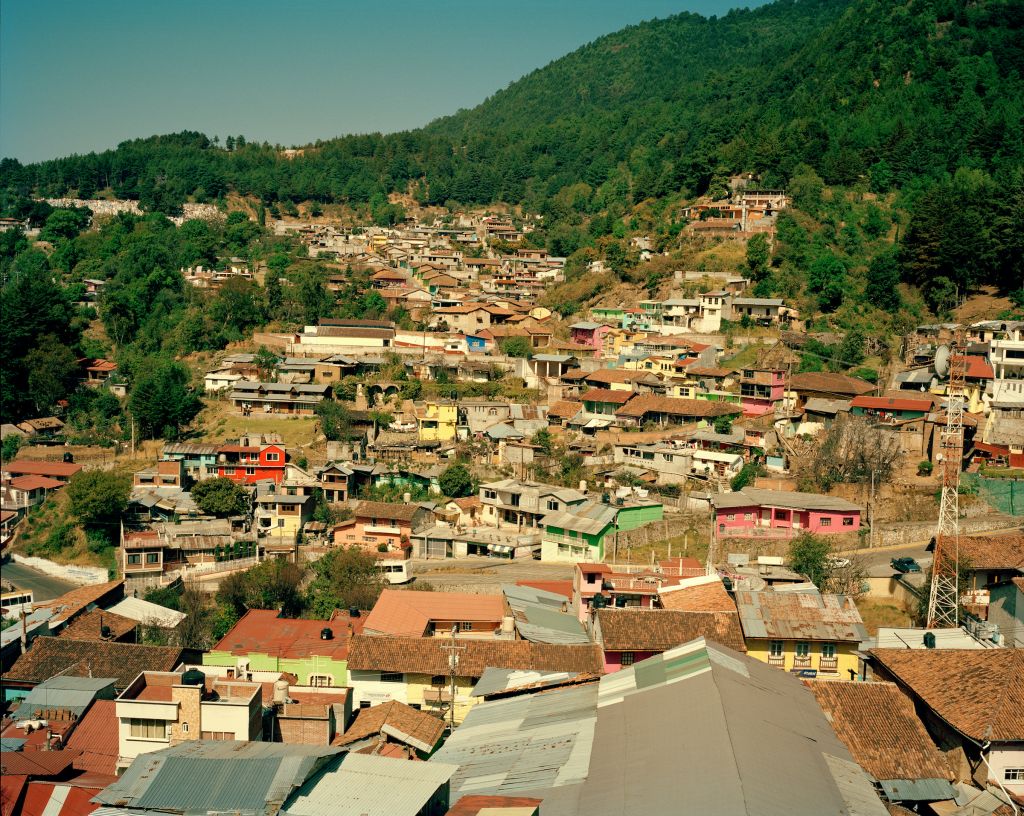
x: 886, y: 89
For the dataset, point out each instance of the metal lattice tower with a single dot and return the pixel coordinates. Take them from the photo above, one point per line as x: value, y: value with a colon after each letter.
x: 944, y: 598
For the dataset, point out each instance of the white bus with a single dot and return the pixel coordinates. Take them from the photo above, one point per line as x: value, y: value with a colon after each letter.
x: 15, y: 601
x: 395, y: 566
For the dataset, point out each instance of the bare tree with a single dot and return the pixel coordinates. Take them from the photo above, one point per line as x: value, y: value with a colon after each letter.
x: 848, y: 453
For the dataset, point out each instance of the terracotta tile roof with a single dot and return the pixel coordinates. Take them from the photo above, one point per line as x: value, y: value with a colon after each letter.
x: 33, y: 482
x: 649, y: 404
x: 607, y: 395
x: 574, y: 374
x: 977, y: 691
x: 72, y: 603
x: 491, y: 805
x: 88, y: 626
x: 261, y: 631
x: 408, y: 614
x: 877, y: 722
x: 993, y: 551
x: 50, y: 656
x: 386, y: 510
x: 615, y: 375
x: 36, y: 763
x: 830, y: 383
x: 892, y: 404
x: 557, y: 587
x: 703, y: 597
x: 398, y: 721
x: 703, y: 371
x: 656, y: 630
x: 96, y: 737
x: 25, y: 467
x: 975, y: 367
x: 427, y: 656
x: 565, y: 409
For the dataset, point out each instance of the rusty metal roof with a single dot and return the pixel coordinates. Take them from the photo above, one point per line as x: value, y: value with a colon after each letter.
x: 799, y: 616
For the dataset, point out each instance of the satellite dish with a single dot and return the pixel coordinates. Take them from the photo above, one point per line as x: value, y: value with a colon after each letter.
x: 941, y: 363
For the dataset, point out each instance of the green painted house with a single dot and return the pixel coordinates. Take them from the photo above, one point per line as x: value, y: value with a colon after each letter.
x: 315, y: 651
x: 587, y: 532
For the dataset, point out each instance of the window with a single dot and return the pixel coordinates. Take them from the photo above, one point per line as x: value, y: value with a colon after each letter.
x: 828, y: 650
x: 552, y: 504
x: 748, y: 516
x: 803, y: 649
x: 184, y: 728
x: 465, y: 626
x: 392, y: 677
x: 1013, y: 774
x: 847, y: 521
x: 627, y: 659
x: 250, y: 471
x: 152, y: 558
x: 490, y: 494
x: 438, y: 680
x: 134, y: 558
x: 321, y: 680
x: 731, y: 517
x: 149, y: 729
x: 775, y: 648
x: 229, y: 471
x: 826, y: 522
x: 364, y: 703
x: 273, y: 457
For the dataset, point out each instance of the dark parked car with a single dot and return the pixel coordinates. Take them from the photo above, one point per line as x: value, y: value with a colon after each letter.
x: 905, y: 565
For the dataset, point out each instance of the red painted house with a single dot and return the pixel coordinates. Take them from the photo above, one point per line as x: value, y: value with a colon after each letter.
x: 252, y: 460
x: 751, y: 511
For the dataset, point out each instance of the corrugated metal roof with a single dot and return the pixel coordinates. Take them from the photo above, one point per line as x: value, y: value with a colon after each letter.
x: 363, y: 785
x: 210, y: 775
x: 799, y: 616
x: 73, y: 693
x: 917, y: 790
x: 493, y: 681
x: 148, y: 612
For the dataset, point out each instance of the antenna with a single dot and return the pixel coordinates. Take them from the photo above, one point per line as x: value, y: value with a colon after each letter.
x: 944, y: 598
x: 453, y: 665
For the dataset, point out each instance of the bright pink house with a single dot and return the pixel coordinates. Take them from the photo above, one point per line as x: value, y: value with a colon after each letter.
x: 761, y: 389
x: 750, y: 510
x: 633, y: 586
x: 589, y: 334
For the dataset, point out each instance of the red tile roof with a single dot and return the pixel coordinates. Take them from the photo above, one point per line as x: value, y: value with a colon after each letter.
x: 977, y: 691
x: 607, y: 395
x: 656, y: 630
x: 96, y: 737
x: 976, y: 368
x: 428, y: 656
x: 891, y: 404
x: 73, y: 603
x: 90, y: 626
x: 386, y: 510
x: 708, y: 596
x: 878, y: 724
x: 650, y: 404
x: 32, y: 482
x: 261, y: 631
x: 474, y: 805
x: 564, y: 409
x: 993, y: 551
x: 25, y: 467
x: 404, y: 613
x: 396, y: 720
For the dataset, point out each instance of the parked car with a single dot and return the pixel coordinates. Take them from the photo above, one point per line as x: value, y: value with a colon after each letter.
x: 837, y: 563
x: 905, y: 565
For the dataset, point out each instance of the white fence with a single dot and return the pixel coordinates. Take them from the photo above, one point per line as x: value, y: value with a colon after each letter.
x: 66, y: 572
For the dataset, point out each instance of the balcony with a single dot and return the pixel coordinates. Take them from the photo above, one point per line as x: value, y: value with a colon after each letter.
x: 437, y: 695
x: 828, y: 665
x: 381, y: 529
x: 779, y: 661
x: 802, y: 662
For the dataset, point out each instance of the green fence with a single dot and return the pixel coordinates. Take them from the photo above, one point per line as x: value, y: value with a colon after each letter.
x: 1005, y: 495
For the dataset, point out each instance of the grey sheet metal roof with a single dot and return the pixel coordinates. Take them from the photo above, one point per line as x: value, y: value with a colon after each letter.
x: 799, y: 616
x: 530, y: 743
x: 589, y: 518
x: 782, y: 498
x: 360, y: 785
x: 212, y: 776
x: 820, y: 405
x: 35, y: 623
x: 698, y: 729
x: 917, y: 790
x: 73, y: 693
x: 494, y: 681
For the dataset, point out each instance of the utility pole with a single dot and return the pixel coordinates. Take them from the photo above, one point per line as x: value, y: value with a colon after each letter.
x: 944, y: 598
x: 453, y: 665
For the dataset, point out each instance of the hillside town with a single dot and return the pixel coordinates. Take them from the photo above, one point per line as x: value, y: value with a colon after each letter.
x: 477, y: 557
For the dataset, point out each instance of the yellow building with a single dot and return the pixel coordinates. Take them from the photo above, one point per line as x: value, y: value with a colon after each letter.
x: 281, y: 516
x: 437, y: 421
x: 804, y: 632
x: 415, y: 670
x: 681, y: 389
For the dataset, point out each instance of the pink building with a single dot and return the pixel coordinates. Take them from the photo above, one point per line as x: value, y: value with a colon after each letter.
x: 752, y: 510
x: 627, y: 586
x: 760, y: 390
x: 589, y: 334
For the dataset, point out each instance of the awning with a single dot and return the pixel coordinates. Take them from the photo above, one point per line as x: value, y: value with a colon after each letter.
x: 597, y: 423
x: 500, y: 549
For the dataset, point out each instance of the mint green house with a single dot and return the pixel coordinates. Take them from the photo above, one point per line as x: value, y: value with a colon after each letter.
x: 315, y: 651
x: 587, y: 532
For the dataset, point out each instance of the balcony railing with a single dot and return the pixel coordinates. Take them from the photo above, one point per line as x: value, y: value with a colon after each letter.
x: 779, y: 661
x: 829, y: 665
x: 802, y: 662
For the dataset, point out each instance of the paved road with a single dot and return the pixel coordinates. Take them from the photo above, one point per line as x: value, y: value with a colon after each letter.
x: 44, y: 587
x: 877, y: 561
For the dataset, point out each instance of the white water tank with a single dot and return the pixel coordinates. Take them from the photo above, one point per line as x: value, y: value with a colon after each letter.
x: 508, y: 625
x: 407, y: 498
x: 280, y: 691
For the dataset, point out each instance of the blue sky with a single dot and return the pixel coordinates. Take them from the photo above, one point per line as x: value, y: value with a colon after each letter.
x: 77, y: 76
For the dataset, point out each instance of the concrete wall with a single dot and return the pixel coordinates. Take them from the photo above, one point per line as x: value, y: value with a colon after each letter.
x: 67, y: 572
